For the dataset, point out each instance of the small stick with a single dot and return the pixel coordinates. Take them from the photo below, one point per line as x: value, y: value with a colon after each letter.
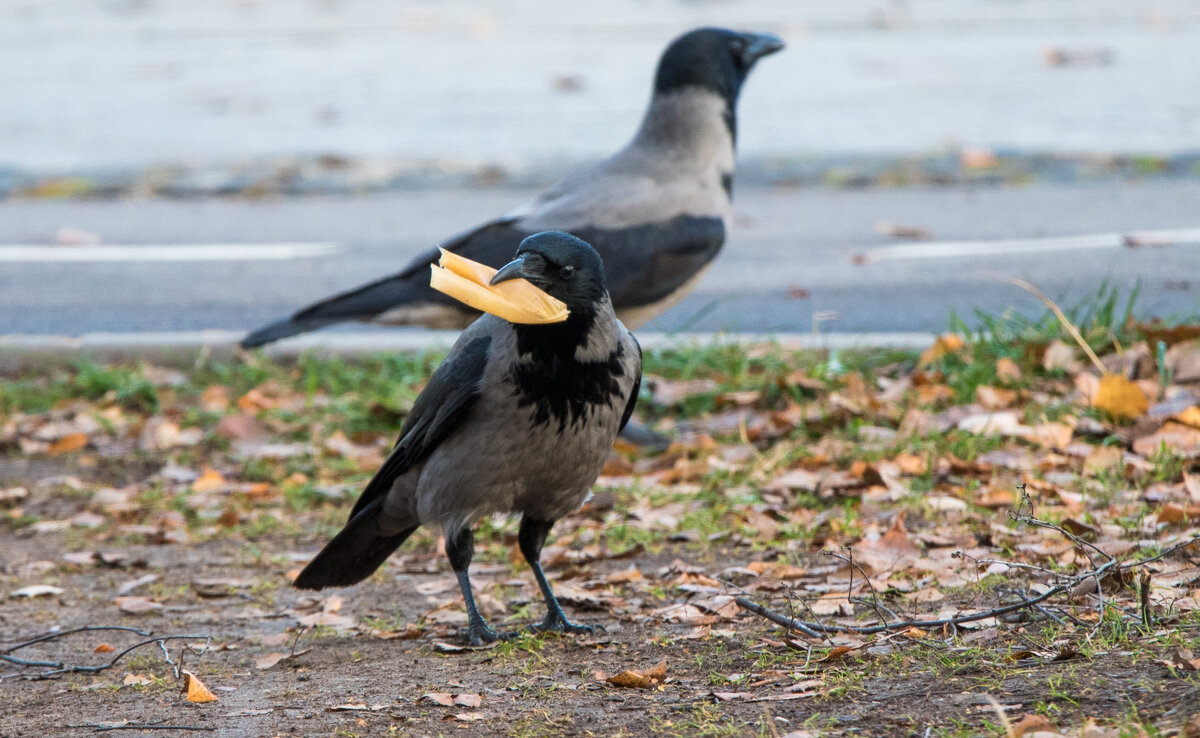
x: 849, y: 587
x: 156, y: 725
x: 955, y: 621
x: 1144, y: 598
x: 61, y: 633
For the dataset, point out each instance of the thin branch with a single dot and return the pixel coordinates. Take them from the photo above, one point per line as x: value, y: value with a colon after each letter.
x: 955, y: 621
x: 1028, y: 517
x: 1163, y: 555
x: 156, y: 725
x: 60, y: 667
x: 54, y: 635
x: 850, y: 587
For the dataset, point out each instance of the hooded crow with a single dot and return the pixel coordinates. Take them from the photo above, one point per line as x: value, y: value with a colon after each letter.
x: 656, y: 211
x: 519, y: 418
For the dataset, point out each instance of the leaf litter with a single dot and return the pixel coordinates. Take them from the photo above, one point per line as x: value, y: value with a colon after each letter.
x: 855, y: 497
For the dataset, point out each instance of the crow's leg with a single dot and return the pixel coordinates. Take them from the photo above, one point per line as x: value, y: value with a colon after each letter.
x: 460, y: 547
x: 531, y: 537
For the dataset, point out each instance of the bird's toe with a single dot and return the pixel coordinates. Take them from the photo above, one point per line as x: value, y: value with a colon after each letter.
x: 560, y: 624
x: 481, y: 635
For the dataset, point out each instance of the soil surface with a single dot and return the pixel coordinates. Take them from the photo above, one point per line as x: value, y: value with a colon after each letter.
x: 370, y: 669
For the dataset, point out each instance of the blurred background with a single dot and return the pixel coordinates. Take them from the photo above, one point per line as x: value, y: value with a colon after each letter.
x: 895, y: 161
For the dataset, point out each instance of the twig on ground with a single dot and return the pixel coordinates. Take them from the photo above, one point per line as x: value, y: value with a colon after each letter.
x: 156, y: 725
x: 849, y: 559
x: 58, y: 667
x: 1144, y: 598
x: 1025, y: 514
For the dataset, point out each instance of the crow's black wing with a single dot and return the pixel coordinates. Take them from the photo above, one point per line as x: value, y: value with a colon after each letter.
x: 439, y: 411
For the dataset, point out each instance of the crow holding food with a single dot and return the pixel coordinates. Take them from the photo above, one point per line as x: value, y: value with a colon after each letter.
x: 519, y: 418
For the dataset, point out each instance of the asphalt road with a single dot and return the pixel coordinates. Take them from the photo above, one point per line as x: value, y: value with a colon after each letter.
x: 793, y: 252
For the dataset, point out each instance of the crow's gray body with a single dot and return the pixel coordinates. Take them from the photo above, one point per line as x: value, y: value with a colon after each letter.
x: 501, y: 459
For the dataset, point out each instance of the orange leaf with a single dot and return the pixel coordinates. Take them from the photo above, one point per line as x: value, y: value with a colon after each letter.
x: 1190, y: 416
x: 836, y: 654
x: 1120, y: 397
x: 947, y: 343
x: 103, y: 648
x: 210, y: 480
x: 196, y: 691
x: 640, y: 679
x: 68, y: 443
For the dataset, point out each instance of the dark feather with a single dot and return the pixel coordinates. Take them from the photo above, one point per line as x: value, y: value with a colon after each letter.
x: 637, y: 388
x: 439, y: 410
x: 356, y: 552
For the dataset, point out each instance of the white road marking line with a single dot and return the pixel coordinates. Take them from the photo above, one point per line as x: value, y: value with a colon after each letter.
x: 167, y: 252
x: 944, y: 249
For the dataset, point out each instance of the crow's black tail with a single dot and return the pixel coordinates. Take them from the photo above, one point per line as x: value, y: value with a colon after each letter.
x: 282, y: 329
x: 354, y: 553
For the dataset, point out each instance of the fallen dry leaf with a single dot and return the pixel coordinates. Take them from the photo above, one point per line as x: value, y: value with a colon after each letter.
x: 1120, y: 397
x: 136, y: 605
x: 266, y: 661
x: 68, y: 443
x: 196, y: 691
x: 646, y: 679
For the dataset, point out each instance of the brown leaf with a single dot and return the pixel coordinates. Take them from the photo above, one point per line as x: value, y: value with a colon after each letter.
x: 136, y: 605
x: 136, y: 680
x: 103, y: 648
x: 994, y: 398
x: 647, y: 679
x: 836, y: 654
x: 215, y: 398
x: 438, y: 698
x: 241, y: 427
x: 209, y: 481
x: 196, y: 691
x: 947, y: 343
x: 1006, y: 368
x: 409, y: 633
x: 1175, y: 436
x: 1121, y: 397
x: 266, y: 661
x: 468, y: 700
x: 893, y: 551
x: 68, y: 443
x: 1030, y: 723
x: 1102, y: 458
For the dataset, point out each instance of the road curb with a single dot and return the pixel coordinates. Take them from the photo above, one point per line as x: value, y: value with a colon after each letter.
x: 18, y: 352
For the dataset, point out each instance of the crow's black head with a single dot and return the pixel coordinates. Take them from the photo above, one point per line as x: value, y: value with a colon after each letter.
x: 714, y: 59
x: 561, y: 265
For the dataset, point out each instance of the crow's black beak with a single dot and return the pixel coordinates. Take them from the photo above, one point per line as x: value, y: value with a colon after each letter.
x: 514, y: 269
x: 759, y: 45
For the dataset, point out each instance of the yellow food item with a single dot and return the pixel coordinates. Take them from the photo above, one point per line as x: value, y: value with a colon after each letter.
x: 515, y: 300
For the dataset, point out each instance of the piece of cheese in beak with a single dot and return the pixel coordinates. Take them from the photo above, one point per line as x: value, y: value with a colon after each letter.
x: 514, y: 300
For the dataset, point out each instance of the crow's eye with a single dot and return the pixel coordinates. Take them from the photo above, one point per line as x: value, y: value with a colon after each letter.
x: 567, y: 272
